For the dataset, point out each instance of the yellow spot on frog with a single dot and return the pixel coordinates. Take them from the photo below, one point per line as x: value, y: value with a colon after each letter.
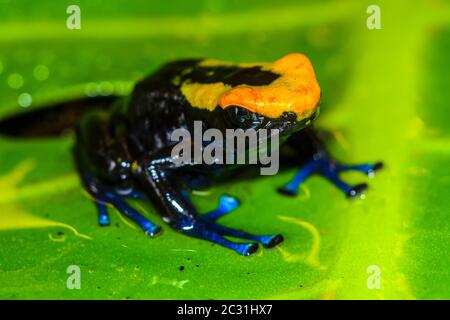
x: 296, y: 90
x: 312, y: 257
x: 220, y: 63
x: 204, y: 96
x: 214, y: 63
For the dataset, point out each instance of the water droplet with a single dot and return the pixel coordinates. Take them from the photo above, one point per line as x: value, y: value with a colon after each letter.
x: 123, y: 88
x: 106, y: 88
x: 41, y: 72
x: 25, y: 100
x: 91, y: 89
x: 15, y: 80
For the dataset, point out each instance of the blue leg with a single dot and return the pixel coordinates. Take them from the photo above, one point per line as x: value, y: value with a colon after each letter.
x: 330, y: 169
x: 226, y: 205
x: 291, y: 188
x: 368, y: 168
x: 135, y: 194
x: 211, y: 231
x: 103, y: 217
x: 162, y: 179
x: 104, y: 195
x: 149, y: 227
x: 267, y: 241
x: 207, y: 230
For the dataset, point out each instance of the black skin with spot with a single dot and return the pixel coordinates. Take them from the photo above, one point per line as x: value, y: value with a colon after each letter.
x: 126, y: 145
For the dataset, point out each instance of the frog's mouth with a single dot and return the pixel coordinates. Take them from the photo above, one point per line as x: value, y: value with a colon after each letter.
x: 288, y: 123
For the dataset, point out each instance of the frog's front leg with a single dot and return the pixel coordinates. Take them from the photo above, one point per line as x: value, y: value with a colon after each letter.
x: 104, y: 195
x: 103, y: 165
x: 160, y: 177
x: 319, y: 161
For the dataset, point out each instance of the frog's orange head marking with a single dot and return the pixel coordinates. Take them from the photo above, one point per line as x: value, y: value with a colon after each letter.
x: 296, y: 90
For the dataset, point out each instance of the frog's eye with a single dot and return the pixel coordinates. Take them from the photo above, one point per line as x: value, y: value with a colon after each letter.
x: 239, y: 117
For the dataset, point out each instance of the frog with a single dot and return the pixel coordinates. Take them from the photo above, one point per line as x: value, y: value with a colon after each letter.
x: 124, y: 150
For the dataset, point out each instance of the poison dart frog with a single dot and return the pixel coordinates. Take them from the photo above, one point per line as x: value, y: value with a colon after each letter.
x: 123, y: 150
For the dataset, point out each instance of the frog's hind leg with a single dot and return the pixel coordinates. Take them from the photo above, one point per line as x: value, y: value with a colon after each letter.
x: 331, y: 169
x: 368, y: 168
x: 322, y: 164
x: 291, y: 188
x: 104, y: 196
x: 312, y: 153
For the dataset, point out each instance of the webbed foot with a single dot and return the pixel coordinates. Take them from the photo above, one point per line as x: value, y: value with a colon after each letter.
x: 331, y: 169
x: 209, y: 230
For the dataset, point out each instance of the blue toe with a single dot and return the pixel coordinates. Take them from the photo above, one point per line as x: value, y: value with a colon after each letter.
x: 103, y: 220
x: 247, y: 249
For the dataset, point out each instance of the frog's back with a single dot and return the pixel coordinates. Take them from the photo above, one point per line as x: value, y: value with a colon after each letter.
x: 205, y: 71
x: 157, y: 107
